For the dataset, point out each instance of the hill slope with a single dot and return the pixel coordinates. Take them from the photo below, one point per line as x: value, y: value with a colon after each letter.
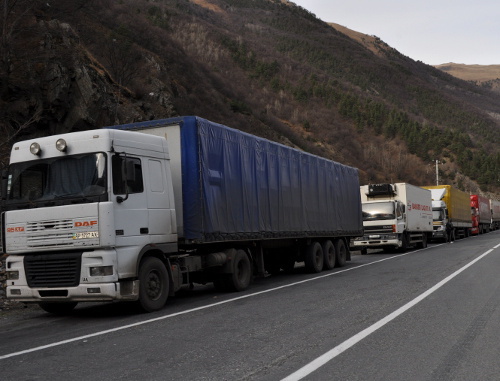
x: 264, y: 66
x: 487, y: 76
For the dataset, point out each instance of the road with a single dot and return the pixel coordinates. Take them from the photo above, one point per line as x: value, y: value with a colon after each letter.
x: 428, y: 314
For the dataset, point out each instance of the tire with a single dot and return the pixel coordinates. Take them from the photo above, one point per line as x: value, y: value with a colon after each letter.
x: 423, y: 243
x: 404, y: 243
x: 340, y: 253
x: 153, y: 284
x: 241, y: 272
x: 313, y: 258
x: 328, y: 255
x: 61, y: 308
x: 364, y: 251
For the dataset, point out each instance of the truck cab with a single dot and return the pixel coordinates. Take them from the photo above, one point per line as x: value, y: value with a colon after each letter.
x: 439, y: 219
x: 77, y: 210
x: 383, y: 223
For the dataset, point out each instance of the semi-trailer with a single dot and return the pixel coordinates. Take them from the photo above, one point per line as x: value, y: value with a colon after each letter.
x: 135, y: 212
x: 450, y: 205
x: 481, y: 214
x: 395, y: 216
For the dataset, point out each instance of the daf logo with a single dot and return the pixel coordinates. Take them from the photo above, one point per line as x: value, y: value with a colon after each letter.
x: 85, y: 223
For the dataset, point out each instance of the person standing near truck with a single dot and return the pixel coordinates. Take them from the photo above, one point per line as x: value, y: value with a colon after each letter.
x: 449, y: 232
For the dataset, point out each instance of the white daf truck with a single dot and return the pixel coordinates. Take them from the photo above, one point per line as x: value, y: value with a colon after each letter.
x: 395, y: 216
x: 135, y: 212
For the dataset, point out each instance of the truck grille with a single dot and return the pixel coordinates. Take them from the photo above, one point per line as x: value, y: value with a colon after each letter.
x: 378, y: 229
x: 53, y: 270
x: 49, y: 233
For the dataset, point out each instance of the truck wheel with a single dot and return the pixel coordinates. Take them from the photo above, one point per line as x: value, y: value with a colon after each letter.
x: 404, y: 243
x: 340, y: 253
x: 364, y: 251
x: 423, y: 243
x: 314, y: 257
x: 241, y: 274
x: 58, y: 308
x: 153, y: 284
x: 328, y: 255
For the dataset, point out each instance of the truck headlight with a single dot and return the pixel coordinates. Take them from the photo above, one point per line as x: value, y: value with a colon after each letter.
x: 12, y: 275
x: 35, y: 149
x: 101, y: 271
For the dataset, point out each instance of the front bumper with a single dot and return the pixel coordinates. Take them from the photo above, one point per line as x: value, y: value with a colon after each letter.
x: 438, y: 234
x: 381, y: 241
x: 95, y: 292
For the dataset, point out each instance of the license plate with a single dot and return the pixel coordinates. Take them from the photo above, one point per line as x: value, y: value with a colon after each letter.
x: 374, y: 236
x: 85, y: 235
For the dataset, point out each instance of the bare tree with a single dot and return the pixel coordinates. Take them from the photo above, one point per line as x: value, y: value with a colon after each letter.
x: 11, y: 131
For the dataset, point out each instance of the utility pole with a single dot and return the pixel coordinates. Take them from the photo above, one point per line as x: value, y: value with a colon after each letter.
x: 437, y: 172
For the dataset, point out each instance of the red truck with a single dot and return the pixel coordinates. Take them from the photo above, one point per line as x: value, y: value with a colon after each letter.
x: 481, y: 214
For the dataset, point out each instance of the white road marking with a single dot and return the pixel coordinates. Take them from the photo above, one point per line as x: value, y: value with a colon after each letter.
x: 105, y: 332
x: 331, y: 354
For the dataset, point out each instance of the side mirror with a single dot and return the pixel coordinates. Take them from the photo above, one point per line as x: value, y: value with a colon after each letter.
x: 128, y: 174
x: 3, y: 190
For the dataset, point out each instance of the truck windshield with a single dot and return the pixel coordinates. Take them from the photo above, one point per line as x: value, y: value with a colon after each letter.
x: 79, y: 178
x: 437, y: 215
x: 378, y: 211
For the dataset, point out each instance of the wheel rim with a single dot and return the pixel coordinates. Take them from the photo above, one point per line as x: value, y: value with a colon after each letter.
x: 153, y: 285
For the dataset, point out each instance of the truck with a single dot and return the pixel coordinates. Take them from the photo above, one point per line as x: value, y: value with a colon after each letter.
x: 136, y: 212
x: 481, y: 214
x: 395, y: 217
x: 450, y: 205
x: 495, y: 214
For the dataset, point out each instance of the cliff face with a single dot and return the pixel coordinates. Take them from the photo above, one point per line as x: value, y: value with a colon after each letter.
x: 53, y: 85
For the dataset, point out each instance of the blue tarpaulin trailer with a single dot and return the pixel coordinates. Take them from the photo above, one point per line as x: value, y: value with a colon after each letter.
x: 237, y: 186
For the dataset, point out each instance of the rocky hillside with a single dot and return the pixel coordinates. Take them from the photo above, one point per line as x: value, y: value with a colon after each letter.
x: 267, y: 67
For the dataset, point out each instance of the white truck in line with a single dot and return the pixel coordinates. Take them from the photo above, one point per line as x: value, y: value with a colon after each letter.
x: 395, y: 216
x: 135, y: 212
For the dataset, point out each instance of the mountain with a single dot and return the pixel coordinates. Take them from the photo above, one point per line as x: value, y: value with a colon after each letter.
x: 487, y: 76
x: 267, y: 67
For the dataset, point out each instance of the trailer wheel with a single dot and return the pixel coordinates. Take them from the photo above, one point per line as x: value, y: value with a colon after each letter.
x: 153, y: 284
x: 314, y: 257
x: 241, y: 274
x: 340, y: 252
x: 328, y: 255
x: 58, y: 308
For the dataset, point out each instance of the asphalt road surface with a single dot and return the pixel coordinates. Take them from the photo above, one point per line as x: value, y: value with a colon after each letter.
x: 431, y: 314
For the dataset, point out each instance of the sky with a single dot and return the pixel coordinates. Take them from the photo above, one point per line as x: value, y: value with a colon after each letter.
x: 432, y: 31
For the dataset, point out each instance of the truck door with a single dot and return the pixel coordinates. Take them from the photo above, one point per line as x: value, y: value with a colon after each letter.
x: 131, y: 213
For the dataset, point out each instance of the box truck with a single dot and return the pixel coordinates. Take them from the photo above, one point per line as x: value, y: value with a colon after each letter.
x: 135, y: 212
x: 481, y: 214
x: 395, y: 216
x: 450, y: 205
x: 495, y: 214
